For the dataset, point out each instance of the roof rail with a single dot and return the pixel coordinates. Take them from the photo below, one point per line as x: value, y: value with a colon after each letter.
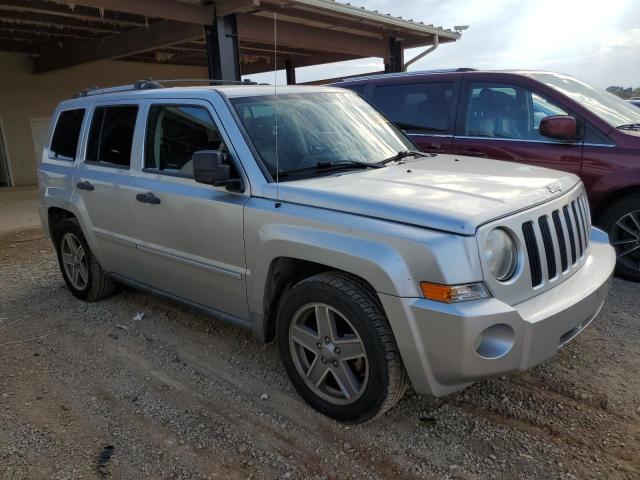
x: 153, y: 84
x: 409, y: 74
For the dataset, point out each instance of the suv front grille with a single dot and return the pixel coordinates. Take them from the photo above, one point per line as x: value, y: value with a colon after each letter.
x: 547, y: 235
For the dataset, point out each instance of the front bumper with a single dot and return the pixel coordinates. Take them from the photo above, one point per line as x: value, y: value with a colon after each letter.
x: 443, y: 345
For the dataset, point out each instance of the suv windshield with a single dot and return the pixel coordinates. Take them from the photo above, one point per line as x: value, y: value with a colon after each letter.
x: 607, y: 106
x: 318, y: 129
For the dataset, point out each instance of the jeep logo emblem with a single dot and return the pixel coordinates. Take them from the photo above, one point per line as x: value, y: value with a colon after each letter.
x: 554, y: 188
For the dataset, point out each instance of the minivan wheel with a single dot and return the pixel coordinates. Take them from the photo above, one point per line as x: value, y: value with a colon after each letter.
x: 81, y: 271
x: 338, y: 349
x: 622, y: 222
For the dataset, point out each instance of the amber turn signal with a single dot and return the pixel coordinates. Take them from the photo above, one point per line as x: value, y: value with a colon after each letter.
x: 453, y: 293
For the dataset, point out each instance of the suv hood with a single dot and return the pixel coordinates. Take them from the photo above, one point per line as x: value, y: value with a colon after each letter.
x: 451, y: 193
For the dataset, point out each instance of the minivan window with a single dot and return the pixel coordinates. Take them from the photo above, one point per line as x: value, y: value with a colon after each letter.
x: 506, y: 111
x: 174, y: 133
x: 417, y: 107
x: 64, y: 142
x: 111, y: 135
x: 609, y: 107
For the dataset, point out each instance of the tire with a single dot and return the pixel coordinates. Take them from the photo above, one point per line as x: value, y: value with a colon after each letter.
x: 378, y: 377
x: 626, y: 212
x: 90, y: 283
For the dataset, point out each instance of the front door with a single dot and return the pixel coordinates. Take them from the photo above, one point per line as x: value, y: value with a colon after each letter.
x: 425, y: 111
x: 190, y: 235
x: 103, y: 184
x: 501, y: 121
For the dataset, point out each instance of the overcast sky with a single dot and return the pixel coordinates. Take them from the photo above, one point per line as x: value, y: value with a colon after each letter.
x: 596, y: 40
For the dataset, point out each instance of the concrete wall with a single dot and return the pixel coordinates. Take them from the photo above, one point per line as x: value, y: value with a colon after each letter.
x: 25, y: 97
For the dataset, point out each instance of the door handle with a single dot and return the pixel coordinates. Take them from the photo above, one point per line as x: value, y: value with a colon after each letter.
x: 86, y: 185
x: 473, y: 152
x: 148, y: 198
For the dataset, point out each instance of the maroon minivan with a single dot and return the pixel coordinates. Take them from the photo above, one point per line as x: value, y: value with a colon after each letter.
x: 540, y: 118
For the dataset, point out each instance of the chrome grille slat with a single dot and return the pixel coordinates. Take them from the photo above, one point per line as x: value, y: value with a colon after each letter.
x: 533, y: 253
x: 547, y: 240
x: 562, y: 244
x: 576, y: 221
x: 570, y: 231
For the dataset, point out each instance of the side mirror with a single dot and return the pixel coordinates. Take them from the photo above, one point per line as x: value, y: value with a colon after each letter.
x: 562, y: 127
x: 209, y: 168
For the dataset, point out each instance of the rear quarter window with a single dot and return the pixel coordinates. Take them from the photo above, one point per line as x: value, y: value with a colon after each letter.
x: 64, y: 143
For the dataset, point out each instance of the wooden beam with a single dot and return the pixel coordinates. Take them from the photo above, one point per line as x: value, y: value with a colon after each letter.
x: 227, y: 7
x: 42, y: 20
x: 78, y: 12
x: 256, y: 29
x: 167, y: 9
x: 129, y: 43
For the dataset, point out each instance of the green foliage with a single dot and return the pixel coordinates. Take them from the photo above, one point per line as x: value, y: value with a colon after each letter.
x: 623, y: 92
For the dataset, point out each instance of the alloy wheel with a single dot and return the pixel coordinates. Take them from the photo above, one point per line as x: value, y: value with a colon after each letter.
x: 74, y: 261
x: 328, y: 354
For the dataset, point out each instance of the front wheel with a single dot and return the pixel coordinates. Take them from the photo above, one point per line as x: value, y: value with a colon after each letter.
x: 338, y: 349
x: 80, y: 269
x: 621, y: 221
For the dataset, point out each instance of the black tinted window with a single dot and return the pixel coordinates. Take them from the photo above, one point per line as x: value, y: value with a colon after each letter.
x: 420, y: 108
x: 174, y: 133
x: 111, y: 135
x: 64, y: 143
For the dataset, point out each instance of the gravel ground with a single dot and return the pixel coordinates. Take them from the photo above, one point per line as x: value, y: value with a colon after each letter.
x: 89, y: 391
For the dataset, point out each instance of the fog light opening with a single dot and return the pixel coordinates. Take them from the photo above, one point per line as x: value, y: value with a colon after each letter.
x: 495, y: 342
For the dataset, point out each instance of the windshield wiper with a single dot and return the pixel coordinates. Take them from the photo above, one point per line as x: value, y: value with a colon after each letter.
x: 630, y: 126
x: 407, y: 153
x: 328, y: 167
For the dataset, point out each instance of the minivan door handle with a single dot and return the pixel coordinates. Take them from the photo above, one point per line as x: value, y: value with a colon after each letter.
x: 86, y: 185
x: 473, y: 152
x: 148, y: 198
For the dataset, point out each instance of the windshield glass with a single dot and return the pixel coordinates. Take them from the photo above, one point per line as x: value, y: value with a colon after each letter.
x: 607, y: 106
x: 317, y: 128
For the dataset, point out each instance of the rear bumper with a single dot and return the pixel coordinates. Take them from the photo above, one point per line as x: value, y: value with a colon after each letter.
x: 446, y: 347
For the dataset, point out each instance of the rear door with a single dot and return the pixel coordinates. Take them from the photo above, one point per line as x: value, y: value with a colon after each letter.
x: 424, y: 110
x: 190, y: 235
x: 501, y: 120
x: 103, y: 184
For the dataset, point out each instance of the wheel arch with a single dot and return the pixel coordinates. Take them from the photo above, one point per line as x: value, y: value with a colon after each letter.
x: 284, y: 273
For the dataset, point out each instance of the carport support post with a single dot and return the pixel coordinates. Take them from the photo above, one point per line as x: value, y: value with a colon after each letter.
x: 223, y: 57
x: 291, y: 72
x: 394, y: 63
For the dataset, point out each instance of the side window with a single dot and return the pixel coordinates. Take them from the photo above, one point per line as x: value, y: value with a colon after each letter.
x: 417, y: 108
x: 174, y: 133
x: 506, y: 111
x: 111, y: 135
x: 64, y: 142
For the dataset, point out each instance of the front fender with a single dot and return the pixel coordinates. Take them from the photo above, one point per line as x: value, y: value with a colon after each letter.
x: 383, y: 267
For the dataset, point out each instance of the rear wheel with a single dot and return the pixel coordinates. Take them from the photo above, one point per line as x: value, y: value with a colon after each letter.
x: 81, y: 271
x: 622, y: 222
x: 338, y: 348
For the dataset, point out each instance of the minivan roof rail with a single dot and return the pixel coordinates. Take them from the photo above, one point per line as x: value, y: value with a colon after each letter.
x: 408, y: 74
x: 150, y: 84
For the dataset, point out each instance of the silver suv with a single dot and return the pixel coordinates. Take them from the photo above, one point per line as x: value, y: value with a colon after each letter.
x: 310, y: 219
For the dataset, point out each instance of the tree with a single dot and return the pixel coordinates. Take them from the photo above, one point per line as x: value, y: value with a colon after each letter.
x: 623, y: 92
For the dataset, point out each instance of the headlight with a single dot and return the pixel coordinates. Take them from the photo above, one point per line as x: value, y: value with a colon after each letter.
x: 501, y: 254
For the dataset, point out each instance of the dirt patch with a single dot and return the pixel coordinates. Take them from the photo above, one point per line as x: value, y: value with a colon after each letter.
x: 87, y: 391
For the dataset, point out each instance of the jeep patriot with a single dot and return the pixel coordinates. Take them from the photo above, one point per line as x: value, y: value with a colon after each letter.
x: 309, y: 218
